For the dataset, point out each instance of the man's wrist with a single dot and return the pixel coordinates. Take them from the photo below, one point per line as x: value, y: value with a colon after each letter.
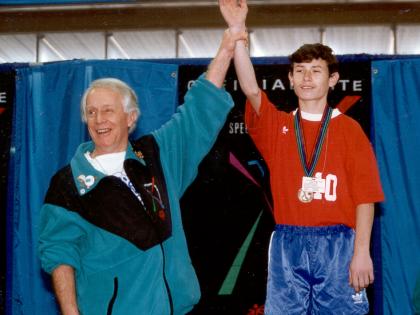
x: 226, y: 53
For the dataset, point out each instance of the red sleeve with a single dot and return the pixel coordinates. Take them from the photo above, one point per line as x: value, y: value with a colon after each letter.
x: 365, y: 181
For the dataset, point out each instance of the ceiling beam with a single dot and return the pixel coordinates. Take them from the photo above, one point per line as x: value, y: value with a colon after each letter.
x: 204, y: 16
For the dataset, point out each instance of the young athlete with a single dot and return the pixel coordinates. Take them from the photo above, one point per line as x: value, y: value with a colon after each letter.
x: 324, y: 181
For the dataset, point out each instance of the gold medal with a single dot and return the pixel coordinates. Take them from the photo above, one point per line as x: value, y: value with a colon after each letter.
x: 305, y: 196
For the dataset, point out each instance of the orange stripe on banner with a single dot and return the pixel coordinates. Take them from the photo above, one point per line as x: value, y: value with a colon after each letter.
x: 347, y: 102
x: 2, y: 109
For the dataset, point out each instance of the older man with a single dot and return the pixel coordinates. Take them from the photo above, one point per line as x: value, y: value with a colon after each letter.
x: 111, y: 232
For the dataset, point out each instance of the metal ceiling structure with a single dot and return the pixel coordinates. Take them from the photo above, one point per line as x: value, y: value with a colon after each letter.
x: 174, y: 29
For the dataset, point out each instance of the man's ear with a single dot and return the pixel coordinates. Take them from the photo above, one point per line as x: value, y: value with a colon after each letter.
x: 334, y: 77
x: 132, y: 118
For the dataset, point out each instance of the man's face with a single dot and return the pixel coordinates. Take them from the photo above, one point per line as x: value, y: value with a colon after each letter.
x: 107, y: 122
x: 311, y: 80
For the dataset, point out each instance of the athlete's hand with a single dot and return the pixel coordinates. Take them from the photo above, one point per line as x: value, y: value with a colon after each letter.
x: 234, y: 12
x: 361, y: 271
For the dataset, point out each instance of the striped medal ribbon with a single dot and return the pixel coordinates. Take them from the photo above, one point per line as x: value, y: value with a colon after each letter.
x: 309, y: 166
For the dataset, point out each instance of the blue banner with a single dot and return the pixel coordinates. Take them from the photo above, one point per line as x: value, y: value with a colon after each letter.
x: 396, y: 99
x: 47, y: 130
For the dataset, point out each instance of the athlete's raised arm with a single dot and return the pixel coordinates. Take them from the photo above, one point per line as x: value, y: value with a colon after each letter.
x: 234, y: 12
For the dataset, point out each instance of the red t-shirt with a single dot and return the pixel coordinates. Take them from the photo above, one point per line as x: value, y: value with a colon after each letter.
x: 346, y: 163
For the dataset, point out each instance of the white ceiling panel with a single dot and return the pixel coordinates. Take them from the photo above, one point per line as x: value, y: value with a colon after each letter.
x: 47, y: 52
x: 90, y: 45
x: 143, y: 44
x: 281, y: 41
x: 18, y: 48
x: 199, y: 43
x: 408, y: 39
x: 360, y: 39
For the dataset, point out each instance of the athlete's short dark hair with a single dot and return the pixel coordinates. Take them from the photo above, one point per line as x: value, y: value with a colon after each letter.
x: 309, y: 52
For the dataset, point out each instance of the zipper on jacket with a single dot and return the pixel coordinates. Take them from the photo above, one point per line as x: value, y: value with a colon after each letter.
x: 113, y: 298
x: 165, y: 280
x: 168, y: 290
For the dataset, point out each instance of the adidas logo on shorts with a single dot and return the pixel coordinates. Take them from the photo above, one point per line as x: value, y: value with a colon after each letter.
x: 357, y: 298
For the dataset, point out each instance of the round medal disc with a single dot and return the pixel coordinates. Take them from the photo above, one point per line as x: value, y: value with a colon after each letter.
x: 305, y: 196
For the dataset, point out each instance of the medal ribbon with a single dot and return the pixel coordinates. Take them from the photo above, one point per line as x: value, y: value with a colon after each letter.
x: 322, y: 131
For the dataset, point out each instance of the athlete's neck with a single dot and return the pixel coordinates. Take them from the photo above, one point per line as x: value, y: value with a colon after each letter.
x: 312, y: 107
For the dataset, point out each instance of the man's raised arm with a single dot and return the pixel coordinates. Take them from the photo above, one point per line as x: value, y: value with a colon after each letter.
x: 216, y: 72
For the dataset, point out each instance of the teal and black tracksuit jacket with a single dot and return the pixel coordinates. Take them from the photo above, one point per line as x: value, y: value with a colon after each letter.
x: 131, y: 257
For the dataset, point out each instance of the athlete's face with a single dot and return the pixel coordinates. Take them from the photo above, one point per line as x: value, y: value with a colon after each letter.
x: 311, y: 81
x: 107, y: 122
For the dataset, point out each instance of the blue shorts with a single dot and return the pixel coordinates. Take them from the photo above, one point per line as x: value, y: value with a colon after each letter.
x: 308, y: 272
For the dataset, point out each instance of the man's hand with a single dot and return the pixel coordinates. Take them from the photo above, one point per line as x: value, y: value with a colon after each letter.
x: 234, y: 12
x: 230, y: 38
x: 361, y: 271
x: 218, y: 67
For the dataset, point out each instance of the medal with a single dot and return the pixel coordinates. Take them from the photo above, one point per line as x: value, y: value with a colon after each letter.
x: 306, y: 192
x: 305, y: 196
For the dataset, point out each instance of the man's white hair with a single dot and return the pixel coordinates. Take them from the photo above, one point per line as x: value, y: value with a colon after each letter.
x: 130, y: 102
